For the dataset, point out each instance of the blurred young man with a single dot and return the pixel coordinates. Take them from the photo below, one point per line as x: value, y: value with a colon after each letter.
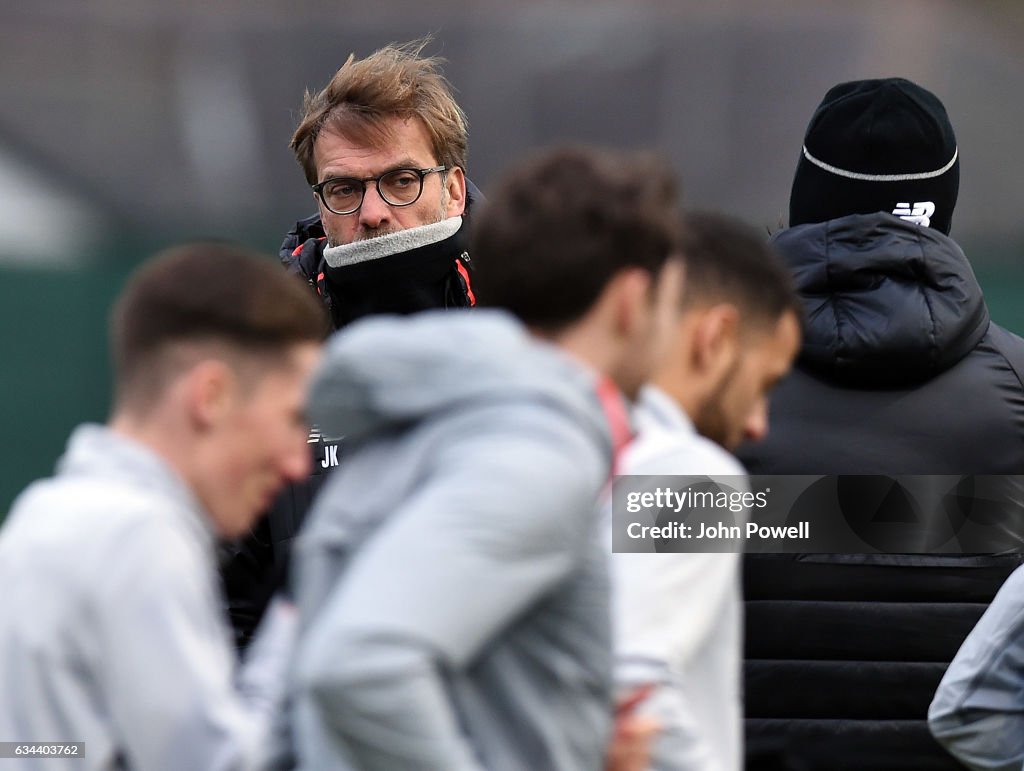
x: 383, y: 147
x: 111, y: 629
x: 451, y: 581
x: 678, y: 616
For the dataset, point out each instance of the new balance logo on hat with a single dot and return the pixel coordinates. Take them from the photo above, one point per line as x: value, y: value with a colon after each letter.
x: 920, y: 213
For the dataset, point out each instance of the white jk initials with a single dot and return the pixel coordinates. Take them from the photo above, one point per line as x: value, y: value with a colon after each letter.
x: 330, y: 456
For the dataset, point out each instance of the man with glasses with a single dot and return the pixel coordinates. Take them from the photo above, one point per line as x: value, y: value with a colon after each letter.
x: 383, y: 147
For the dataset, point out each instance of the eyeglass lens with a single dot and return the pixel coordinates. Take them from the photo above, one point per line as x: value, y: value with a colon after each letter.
x: 399, y: 188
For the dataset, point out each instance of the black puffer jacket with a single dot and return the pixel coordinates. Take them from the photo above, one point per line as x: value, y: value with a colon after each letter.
x: 436, y: 275
x: 901, y: 372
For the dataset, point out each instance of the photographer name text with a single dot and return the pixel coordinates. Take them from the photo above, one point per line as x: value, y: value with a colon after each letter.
x: 720, y: 531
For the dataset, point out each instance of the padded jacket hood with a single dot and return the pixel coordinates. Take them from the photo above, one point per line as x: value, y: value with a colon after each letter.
x: 887, y: 302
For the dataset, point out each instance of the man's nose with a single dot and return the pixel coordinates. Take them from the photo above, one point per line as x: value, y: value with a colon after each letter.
x: 375, y: 211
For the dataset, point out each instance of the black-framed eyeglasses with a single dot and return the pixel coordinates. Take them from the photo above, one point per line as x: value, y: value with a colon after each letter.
x: 398, y: 187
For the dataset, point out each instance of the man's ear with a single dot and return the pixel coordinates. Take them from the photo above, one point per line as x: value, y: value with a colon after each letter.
x: 631, y: 293
x: 716, y: 339
x: 211, y: 390
x: 455, y: 190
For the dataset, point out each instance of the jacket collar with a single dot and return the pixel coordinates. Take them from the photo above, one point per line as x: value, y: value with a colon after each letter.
x: 100, y: 453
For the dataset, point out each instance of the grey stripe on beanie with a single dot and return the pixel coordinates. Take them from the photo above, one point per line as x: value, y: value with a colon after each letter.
x: 878, y: 177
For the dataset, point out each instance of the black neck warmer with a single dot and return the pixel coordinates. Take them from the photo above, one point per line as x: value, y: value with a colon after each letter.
x: 399, y: 273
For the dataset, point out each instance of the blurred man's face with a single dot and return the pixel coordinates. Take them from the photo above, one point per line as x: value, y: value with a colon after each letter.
x: 407, y: 146
x: 258, y: 441
x: 737, y: 410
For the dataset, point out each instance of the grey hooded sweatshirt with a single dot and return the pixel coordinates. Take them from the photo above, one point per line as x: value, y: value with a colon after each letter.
x: 451, y: 582
x: 111, y: 628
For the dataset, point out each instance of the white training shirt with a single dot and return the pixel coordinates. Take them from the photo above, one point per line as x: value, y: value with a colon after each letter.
x: 678, y: 616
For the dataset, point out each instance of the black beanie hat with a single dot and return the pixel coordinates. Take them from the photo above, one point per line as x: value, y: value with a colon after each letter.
x: 878, y: 145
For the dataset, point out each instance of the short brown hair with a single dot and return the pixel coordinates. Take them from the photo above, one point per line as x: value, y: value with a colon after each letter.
x: 207, y: 293
x: 562, y: 225
x: 394, y: 81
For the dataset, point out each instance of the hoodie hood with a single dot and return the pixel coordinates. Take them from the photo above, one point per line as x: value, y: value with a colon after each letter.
x: 389, y: 371
x: 887, y: 303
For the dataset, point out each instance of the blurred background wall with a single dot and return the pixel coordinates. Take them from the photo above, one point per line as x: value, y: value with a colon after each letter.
x: 128, y: 126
